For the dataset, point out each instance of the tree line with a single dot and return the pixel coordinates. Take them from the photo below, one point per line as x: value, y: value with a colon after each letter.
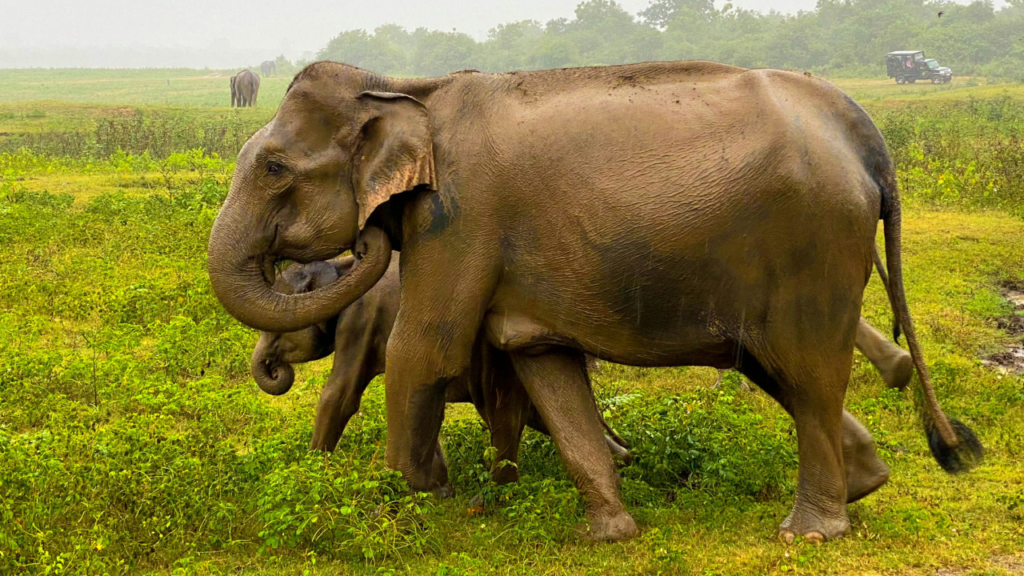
x: 838, y: 37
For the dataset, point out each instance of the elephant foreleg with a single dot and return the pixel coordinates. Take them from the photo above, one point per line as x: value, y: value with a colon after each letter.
x: 420, y: 366
x: 352, y: 372
x: 431, y: 345
x: 557, y: 383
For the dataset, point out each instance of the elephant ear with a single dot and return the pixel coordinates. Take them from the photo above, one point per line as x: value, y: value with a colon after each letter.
x: 396, y: 154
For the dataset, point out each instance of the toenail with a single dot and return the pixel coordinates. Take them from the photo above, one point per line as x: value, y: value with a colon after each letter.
x: 816, y: 537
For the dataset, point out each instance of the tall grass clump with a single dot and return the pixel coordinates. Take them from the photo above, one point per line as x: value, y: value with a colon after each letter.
x: 157, y: 132
x: 961, y: 154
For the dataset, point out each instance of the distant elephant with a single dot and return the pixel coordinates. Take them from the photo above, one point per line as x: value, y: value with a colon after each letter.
x: 358, y: 339
x: 653, y: 214
x: 268, y: 67
x: 245, y: 86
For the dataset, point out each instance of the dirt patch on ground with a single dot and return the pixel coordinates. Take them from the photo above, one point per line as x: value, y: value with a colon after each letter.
x: 1011, y: 359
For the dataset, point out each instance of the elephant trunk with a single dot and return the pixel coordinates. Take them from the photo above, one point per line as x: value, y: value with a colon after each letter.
x: 273, y: 377
x: 242, y: 275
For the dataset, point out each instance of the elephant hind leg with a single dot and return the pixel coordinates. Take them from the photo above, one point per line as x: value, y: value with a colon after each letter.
x: 892, y: 362
x: 505, y: 407
x: 865, y: 471
x: 813, y: 395
x: 557, y: 383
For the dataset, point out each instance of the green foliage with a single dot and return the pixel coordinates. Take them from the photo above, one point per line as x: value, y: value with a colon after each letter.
x: 707, y: 440
x: 967, y: 154
x: 158, y: 133
x: 337, y: 507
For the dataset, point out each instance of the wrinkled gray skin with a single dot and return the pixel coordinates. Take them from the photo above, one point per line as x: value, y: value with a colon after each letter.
x: 358, y: 338
x: 245, y: 87
x: 655, y: 214
x: 894, y: 364
x: 268, y: 67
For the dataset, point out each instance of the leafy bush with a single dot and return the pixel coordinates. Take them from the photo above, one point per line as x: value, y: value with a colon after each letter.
x: 965, y: 154
x: 158, y: 133
x: 338, y: 507
x: 707, y: 440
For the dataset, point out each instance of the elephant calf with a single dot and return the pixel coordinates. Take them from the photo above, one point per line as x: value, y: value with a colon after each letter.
x: 358, y: 338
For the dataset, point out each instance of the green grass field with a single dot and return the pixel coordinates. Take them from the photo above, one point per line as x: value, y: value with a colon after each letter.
x: 177, y: 87
x: 132, y: 439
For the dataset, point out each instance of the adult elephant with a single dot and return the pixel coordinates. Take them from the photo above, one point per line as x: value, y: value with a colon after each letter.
x: 245, y: 87
x: 657, y: 214
x: 268, y: 67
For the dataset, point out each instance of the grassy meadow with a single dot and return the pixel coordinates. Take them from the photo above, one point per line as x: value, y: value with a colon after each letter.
x: 133, y: 440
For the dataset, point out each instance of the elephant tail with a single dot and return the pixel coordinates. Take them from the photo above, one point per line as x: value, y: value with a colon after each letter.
x: 884, y: 276
x: 953, y: 444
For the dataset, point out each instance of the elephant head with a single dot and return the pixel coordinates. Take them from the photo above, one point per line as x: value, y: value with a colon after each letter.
x: 275, y: 353
x: 312, y: 184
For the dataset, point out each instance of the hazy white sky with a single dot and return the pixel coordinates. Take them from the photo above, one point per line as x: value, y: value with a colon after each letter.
x: 218, y: 33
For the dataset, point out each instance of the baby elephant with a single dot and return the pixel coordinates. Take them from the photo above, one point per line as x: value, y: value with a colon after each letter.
x: 358, y: 337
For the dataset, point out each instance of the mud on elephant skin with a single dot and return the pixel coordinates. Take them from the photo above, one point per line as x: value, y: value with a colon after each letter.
x: 656, y: 214
x: 358, y: 339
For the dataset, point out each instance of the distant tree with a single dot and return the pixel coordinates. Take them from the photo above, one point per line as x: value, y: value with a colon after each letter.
x: 358, y: 48
x: 508, y: 46
x: 283, y: 66
x: 604, y: 33
x: 438, y: 53
x: 661, y: 12
x: 555, y: 52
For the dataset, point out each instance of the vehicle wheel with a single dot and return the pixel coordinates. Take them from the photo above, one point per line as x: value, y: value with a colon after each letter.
x: 911, y: 80
x: 936, y: 80
x: 901, y: 80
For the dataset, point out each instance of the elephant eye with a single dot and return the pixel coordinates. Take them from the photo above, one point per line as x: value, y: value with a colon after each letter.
x: 274, y: 167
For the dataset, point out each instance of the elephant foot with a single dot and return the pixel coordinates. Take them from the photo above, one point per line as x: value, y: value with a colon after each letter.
x: 814, y: 527
x: 610, y: 528
x: 898, y: 370
x: 477, y: 501
x: 718, y: 382
x: 433, y: 483
x: 505, y: 474
x: 444, y: 492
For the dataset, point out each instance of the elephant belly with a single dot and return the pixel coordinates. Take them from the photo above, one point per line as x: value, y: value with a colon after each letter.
x: 684, y: 293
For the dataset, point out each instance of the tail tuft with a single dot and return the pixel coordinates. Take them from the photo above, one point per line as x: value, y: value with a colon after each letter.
x: 967, y: 453
x: 896, y: 330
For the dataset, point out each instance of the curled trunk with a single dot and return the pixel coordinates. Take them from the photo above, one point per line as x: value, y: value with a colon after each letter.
x: 274, y: 378
x: 242, y: 278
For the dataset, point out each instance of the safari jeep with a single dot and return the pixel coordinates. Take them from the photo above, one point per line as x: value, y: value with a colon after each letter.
x: 911, y: 66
